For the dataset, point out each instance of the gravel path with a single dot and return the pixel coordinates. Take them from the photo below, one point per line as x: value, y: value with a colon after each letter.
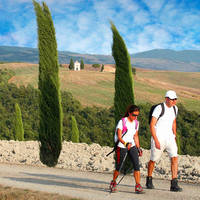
x: 84, y: 171
x: 88, y: 185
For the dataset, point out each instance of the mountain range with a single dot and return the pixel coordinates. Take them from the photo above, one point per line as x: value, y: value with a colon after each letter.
x: 156, y: 59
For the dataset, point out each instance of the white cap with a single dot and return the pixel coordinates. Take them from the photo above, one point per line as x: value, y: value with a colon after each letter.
x: 171, y: 94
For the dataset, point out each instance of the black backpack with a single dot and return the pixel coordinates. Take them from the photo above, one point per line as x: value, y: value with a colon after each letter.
x: 162, y: 112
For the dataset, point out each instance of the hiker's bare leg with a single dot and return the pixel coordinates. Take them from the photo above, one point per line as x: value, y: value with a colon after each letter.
x: 115, y: 175
x: 151, y: 165
x: 136, y: 175
x: 174, y: 167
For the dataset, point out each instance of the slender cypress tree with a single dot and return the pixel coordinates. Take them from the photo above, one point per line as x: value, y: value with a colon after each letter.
x: 75, y: 131
x: 82, y: 64
x: 71, y: 64
x: 50, y: 130
x: 102, y: 67
x: 124, y: 91
x: 19, y: 130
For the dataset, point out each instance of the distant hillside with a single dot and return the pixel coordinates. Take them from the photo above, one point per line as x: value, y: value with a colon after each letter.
x: 157, y: 59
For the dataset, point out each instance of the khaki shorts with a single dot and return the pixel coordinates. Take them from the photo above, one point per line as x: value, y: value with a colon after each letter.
x: 168, y: 144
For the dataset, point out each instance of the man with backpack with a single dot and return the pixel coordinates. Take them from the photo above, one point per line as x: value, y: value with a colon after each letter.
x: 163, y: 131
x: 127, y: 141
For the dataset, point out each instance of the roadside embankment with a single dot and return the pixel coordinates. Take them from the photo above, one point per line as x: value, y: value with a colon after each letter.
x: 84, y: 157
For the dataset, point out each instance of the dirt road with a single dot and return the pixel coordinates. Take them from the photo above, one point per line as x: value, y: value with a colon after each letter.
x: 88, y: 185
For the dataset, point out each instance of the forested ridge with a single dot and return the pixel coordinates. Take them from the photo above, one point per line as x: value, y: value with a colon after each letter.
x: 95, y: 124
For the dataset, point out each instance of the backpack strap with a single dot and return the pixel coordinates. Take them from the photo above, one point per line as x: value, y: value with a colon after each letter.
x: 162, y: 111
x: 124, y: 127
x: 174, y: 110
x: 136, y: 124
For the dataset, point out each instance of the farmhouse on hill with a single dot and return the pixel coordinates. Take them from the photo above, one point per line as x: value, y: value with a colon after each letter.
x: 77, y: 66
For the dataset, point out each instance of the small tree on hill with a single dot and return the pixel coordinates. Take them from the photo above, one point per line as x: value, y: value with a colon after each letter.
x: 102, y: 67
x: 19, y: 130
x: 96, y: 65
x: 82, y: 64
x: 75, y: 131
x: 134, y: 70
x: 71, y: 64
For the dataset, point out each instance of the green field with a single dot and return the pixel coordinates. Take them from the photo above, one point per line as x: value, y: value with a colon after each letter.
x: 97, y: 88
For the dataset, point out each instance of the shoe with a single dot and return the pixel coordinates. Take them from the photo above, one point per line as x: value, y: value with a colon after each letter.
x: 113, y: 186
x: 138, y: 189
x: 174, y: 186
x: 149, y: 183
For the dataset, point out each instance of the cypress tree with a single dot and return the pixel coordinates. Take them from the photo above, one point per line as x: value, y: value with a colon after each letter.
x: 102, y: 67
x: 50, y: 130
x: 19, y: 130
x: 124, y: 86
x: 124, y: 91
x: 71, y: 64
x: 75, y: 131
x: 82, y: 64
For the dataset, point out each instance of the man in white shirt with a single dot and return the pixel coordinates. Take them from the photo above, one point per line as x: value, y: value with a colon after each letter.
x: 163, y: 131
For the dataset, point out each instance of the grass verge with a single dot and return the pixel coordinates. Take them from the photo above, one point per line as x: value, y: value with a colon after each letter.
x: 10, y: 193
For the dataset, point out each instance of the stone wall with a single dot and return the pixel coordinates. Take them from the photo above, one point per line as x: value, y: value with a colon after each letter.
x: 81, y: 156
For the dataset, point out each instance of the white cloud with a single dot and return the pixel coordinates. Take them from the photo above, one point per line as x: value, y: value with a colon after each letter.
x: 83, y: 26
x: 141, y: 18
x: 129, y: 5
x: 154, y: 5
x: 26, y: 35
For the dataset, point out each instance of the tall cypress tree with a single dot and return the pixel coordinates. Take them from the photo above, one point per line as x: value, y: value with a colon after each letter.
x: 124, y: 86
x: 124, y: 91
x: 102, y: 67
x: 82, y: 64
x: 75, y: 131
x: 71, y: 64
x: 50, y: 131
x: 19, y: 129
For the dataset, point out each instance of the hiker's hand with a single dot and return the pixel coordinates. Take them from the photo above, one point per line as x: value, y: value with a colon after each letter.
x: 128, y: 145
x: 140, y: 152
x: 157, y: 144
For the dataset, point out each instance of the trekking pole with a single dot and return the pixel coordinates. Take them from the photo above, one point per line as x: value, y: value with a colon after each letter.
x: 122, y: 166
x: 124, y: 175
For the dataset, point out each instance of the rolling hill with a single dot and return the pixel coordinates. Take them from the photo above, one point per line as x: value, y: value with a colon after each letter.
x: 157, y: 59
x: 94, y: 88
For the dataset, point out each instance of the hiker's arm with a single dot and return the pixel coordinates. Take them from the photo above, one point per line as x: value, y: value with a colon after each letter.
x: 174, y: 127
x: 119, y: 134
x: 136, y: 139
x: 153, y: 132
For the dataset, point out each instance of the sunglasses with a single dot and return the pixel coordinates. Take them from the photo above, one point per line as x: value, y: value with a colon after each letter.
x: 173, y: 99
x: 134, y: 115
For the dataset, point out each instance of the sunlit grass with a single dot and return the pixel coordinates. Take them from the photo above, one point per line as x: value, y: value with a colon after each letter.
x: 93, y: 88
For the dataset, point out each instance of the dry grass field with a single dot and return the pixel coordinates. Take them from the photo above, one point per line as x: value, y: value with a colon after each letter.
x: 10, y: 193
x: 97, y: 88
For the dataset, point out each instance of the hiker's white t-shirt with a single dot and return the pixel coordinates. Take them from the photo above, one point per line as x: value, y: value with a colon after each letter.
x: 164, y: 124
x: 128, y: 137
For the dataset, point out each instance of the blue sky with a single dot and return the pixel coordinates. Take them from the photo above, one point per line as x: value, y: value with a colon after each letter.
x: 82, y: 26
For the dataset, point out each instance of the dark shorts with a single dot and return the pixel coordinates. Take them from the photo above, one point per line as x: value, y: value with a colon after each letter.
x: 132, y: 153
